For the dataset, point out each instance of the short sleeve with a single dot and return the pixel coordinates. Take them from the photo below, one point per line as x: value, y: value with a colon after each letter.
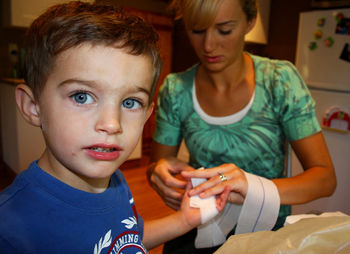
x: 120, y: 181
x: 294, y: 102
x: 168, y: 124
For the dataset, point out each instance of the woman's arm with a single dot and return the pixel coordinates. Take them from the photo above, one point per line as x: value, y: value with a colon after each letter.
x: 318, y: 179
x: 162, y: 172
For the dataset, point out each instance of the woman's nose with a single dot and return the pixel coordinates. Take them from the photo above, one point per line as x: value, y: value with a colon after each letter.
x: 209, y: 42
x: 108, y: 120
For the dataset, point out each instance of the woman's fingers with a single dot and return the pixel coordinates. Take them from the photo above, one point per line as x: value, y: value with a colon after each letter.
x: 172, y: 197
x: 226, y: 176
x: 200, y: 173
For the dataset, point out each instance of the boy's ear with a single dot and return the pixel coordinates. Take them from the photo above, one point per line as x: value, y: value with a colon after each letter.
x: 27, y: 104
x: 149, y: 111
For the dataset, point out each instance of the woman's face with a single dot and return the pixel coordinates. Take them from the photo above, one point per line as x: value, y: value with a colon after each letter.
x: 221, y: 44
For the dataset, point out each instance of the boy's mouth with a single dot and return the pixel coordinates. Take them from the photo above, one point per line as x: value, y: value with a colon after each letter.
x: 103, y: 152
x: 102, y: 149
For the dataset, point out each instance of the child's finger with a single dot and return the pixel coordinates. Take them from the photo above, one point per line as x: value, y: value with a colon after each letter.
x: 188, y: 188
x: 222, y: 199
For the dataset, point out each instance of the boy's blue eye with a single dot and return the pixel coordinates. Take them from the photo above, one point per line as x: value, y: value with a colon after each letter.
x: 131, y: 104
x: 82, y: 98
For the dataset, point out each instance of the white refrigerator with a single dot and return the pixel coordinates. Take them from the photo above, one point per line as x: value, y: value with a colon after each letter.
x: 323, y: 59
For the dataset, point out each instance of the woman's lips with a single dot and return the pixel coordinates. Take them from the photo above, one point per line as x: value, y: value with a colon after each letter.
x: 103, y: 152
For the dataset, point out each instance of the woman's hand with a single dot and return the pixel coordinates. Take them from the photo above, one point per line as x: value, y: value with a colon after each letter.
x: 162, y: 177
x: 235, y: 181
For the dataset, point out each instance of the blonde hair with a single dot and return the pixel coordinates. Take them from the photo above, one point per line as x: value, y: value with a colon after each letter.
x: 200, y: 14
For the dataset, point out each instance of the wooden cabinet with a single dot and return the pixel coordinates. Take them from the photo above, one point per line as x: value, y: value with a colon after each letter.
x: 164, y: 26
x: 21, y: 13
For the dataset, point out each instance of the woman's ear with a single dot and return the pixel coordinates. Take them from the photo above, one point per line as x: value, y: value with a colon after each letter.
x: 27, y: 105
x: 251, y: 24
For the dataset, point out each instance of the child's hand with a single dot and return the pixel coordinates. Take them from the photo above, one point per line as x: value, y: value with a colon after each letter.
x: 192, y: 216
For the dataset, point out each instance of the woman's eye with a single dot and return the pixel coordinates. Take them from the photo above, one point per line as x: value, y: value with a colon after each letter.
x: 194, y: 31
x: 131, y: 104
x: 225, y: 32
x: 82, y: 98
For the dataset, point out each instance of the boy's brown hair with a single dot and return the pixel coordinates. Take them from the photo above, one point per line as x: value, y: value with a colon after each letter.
x: 65, y: 26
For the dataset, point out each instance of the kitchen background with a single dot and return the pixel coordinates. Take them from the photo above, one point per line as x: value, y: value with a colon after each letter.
x: 279, y: 22
x: 282, y: 32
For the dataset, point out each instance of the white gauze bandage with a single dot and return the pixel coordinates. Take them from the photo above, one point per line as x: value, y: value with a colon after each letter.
x: 207, y: 205
x: 258, y: 212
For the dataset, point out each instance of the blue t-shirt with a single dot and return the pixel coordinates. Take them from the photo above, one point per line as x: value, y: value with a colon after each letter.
x: 40, y: 214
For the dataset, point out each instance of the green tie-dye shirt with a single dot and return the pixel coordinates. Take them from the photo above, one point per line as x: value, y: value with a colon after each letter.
x: 282, y: 109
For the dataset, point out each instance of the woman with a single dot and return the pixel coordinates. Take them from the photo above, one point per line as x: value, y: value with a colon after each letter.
x: 235, y: 112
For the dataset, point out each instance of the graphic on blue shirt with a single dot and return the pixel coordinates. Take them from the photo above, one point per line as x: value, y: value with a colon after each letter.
x: 126, y: 242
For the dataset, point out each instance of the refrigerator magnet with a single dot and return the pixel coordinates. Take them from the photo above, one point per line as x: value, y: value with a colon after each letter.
x: 312, y: 45
x: 321, y: 22
x: 318, y: 34
x: 336, y: 119
x: 329, y: 41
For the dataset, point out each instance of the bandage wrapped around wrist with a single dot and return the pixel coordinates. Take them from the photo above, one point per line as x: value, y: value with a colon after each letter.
x: 258, y: 212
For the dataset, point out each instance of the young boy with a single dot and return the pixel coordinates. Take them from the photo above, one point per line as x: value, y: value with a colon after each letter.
x: 90, y: 77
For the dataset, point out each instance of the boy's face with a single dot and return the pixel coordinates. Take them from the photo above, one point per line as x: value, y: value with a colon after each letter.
x: 92, y: 111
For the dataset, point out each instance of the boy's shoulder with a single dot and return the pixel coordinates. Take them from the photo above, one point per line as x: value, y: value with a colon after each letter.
x: 13, y: 194
x: 12, y: 191
x: 34, y: 180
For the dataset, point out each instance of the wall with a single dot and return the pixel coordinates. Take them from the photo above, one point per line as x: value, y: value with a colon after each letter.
x: 21, y: 141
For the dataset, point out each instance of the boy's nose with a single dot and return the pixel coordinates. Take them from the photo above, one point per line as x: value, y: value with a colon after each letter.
x: 109, y: 120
